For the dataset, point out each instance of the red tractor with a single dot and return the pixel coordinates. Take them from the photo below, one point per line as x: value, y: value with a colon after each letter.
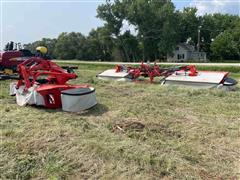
x: 11, y: 57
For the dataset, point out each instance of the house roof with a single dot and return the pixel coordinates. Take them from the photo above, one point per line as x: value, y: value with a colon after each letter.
x: 188, y: 47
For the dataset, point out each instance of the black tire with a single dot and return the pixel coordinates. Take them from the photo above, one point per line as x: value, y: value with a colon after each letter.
x: 229, y: 82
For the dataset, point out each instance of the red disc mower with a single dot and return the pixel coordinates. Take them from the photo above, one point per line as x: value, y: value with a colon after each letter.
x: 43, y: 82
x: 181, y: 75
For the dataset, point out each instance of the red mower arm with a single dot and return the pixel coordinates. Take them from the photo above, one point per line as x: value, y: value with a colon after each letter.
x: 155, y: 71
x: 31, y: 69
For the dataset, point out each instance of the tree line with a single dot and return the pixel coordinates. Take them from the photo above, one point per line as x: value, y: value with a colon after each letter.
x: 156, y: 28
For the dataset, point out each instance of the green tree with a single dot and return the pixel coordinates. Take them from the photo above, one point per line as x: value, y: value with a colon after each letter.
x: 226, y: 46
x: 70, y: 46
x: 99, y: 45
x: 213, y: 25
x: 155, y: 21
x: 188, y: 24
x: 113, y: 13
x: 131, y: 45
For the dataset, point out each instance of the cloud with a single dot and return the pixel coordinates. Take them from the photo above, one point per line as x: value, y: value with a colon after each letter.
x: 128, y: 27
x: 216, y: 6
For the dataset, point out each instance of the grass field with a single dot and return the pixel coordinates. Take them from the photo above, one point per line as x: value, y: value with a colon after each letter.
x: 137, y: 131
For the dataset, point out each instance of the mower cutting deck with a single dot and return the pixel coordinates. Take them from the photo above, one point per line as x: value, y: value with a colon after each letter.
x: 183, y: 75
x: 111, y: 74
x: 204, y: 79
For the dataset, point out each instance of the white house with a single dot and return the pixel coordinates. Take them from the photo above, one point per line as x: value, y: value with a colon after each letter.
x: 186, y: 52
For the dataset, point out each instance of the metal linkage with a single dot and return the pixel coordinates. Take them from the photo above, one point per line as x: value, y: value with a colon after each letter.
x: 32, y: 69
x: 146, y: 70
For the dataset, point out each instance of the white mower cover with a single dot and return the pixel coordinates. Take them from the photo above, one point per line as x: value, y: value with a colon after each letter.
x: 73, y: 100
x: 111, y: 74
x: 204, y: 79
x: 78, y: 99
x: 29, y: 97
x: 12, y: 90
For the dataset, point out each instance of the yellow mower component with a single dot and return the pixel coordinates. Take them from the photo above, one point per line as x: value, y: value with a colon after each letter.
x: 8, y: 71
x: 42, y: 49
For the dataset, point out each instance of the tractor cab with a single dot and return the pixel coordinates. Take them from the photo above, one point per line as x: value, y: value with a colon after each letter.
x: 12, y: 56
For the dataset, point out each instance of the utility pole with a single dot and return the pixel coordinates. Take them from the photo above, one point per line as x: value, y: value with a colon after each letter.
x: 199, y: 38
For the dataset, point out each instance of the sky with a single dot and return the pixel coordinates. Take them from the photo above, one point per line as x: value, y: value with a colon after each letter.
x: 30, y: 20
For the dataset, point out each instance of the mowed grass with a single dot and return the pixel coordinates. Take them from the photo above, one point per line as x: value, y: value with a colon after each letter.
x: 187, y: 134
